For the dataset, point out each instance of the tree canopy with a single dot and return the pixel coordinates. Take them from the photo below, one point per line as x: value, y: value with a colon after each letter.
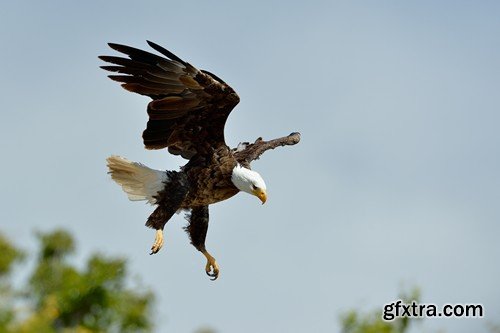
x: 60, y: 297
x: 356, y: 322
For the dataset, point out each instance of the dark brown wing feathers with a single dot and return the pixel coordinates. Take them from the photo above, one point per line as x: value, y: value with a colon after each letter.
x: 189, y: 107
x: 247, y: 152
x: 165, y: 52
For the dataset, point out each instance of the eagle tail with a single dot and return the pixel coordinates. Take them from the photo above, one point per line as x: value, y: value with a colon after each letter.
x: 136, y: 179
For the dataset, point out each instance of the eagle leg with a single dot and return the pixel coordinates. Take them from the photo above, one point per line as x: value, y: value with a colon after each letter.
x: 197, y: 231
x: 211, y: 268
x: 158, y: 244
x: 157, y: 220
x: 169, y: 201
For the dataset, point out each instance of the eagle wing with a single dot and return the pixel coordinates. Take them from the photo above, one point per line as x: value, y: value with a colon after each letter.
x: 189, y: 107
x: 247, y: 152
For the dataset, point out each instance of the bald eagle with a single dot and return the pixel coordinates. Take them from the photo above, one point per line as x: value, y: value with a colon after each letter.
x: 187, y: 114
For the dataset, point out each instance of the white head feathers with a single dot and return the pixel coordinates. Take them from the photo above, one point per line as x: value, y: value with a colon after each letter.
x: 247, y: 180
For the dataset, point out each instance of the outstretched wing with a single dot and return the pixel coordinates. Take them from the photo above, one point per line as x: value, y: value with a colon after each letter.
x: 247, y: 152
x: 190, y: 106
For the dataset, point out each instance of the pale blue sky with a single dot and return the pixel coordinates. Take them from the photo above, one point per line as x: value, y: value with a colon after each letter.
x: 395, y: 183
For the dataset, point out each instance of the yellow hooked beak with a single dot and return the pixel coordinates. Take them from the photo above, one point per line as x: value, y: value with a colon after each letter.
x: 261, y: 194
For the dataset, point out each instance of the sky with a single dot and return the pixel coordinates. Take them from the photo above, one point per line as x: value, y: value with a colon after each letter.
x: 394, y: 184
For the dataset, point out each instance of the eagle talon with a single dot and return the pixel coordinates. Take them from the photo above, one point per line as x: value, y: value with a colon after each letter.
x: 211, y: 268
x: 213, y: 276
x: 212, y: 271
x: 158, y: 244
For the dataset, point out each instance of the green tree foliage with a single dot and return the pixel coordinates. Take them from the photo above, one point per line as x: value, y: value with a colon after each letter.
x: 9, y: 255
x: 59, y: 297
x: 355, y: 322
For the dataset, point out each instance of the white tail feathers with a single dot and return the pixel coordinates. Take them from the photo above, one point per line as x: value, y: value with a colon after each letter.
x: 136, y: 179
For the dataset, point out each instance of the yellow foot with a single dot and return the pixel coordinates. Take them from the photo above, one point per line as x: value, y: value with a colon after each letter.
x: 211, y: 268
x: 157, y: 245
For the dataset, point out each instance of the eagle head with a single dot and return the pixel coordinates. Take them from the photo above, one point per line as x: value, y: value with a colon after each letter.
x: 249, y: 181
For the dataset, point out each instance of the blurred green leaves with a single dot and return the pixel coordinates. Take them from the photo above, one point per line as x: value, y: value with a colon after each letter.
x: 356, y: 322
x: 9, y: 255
x: 59, y: 297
